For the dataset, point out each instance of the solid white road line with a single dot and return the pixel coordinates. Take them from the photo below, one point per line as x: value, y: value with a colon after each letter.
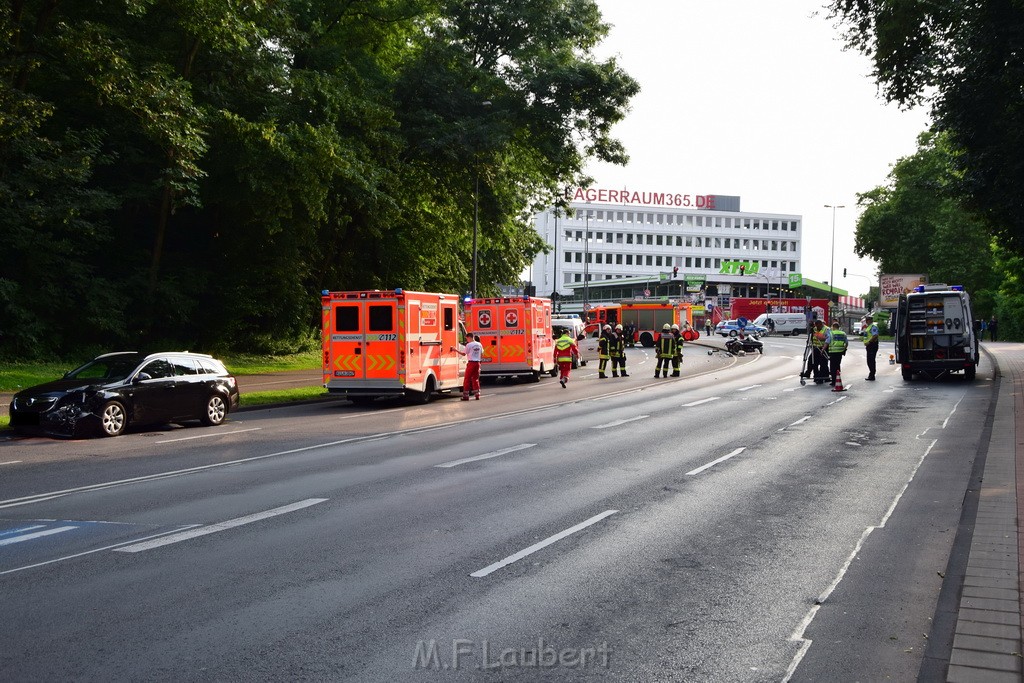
x: 715, y: 462
x: 543, y: 544
x: 38, y: 534
x: 702, y: 401
x: 209, y: 434
x: 803, y: 419
x: 486, y: 456
x: 10, y: 462
x: 616, y: 423
x: 222, y: 526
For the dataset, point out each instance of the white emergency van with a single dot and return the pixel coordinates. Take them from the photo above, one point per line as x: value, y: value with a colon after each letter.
x: 587, y: 346
x: 785, y: 323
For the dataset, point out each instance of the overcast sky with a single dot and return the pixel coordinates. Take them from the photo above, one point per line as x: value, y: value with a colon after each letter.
x: 757, y: 99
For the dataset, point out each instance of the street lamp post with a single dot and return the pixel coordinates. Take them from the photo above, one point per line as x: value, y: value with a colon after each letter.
x: 831, y: 268
x: 476, y: 214
x: 586, y: 266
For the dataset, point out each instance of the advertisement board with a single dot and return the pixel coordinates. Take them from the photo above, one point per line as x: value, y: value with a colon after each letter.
x: 893, y: 285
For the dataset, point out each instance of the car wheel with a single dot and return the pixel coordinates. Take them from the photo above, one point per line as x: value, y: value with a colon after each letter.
x: 113, y: 419
x: 732, y: 333
x: 215, y: 411
x: 970, y: 373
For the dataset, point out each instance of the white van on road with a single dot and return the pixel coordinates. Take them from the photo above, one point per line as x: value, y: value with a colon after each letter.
x: 588, y: 347
x: 785, y: 323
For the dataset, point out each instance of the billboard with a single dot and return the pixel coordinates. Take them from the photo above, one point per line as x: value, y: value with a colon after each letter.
x: 893, y: 285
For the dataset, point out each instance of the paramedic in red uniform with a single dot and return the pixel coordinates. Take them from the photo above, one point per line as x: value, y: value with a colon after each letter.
x: 473, y: 353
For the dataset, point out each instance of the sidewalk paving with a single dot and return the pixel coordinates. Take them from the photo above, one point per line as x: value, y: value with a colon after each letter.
x: 987, y: 640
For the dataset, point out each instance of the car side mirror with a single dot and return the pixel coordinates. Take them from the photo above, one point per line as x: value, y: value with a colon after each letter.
x: 141, y: 377
x: 581, y: 337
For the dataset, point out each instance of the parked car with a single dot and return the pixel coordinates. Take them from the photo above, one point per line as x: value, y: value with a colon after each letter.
x: 118, y: 390
x: 731, y: 328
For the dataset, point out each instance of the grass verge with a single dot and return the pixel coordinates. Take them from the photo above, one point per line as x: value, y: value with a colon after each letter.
x: 259, y: 398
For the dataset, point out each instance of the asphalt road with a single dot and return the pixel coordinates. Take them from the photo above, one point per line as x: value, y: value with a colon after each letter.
x: 730, y: 525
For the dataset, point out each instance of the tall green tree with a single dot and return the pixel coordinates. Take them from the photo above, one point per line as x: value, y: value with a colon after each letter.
x: 963, y: 57
x: 918, y: 223
x: 195, y: 171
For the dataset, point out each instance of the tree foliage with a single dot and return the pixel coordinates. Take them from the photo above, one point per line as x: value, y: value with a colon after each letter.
x: 196, y: 171
x: 965, y: 58
x: 917, y: 223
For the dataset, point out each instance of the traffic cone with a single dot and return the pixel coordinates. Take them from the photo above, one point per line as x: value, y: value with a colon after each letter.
x: 839, y: 382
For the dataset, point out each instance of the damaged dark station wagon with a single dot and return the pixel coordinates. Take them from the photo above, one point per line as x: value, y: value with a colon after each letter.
x: 117, y: 390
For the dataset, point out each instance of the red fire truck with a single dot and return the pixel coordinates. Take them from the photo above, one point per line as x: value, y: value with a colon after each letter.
x: 647, y: 316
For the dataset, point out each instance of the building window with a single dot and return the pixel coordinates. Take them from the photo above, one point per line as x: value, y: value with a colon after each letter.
x: 568, y: 257
x: 707, y: 263
x: 650, y: 240
x: 629, y: 216
x: 718, y: 243
x: 697, y: 242
x: 629, y: 259
x: 618, y: 259
x: 629, y: 238
x: 728, y: 243
x: 718, y: 221
x: 657, y: 260
x: 578, y: 256
x: 718, y: 263
x: 689, y: 262
x: 650, y: 260
x: 689, y: 241
x: 658, y: 241
x: 785, y: 246
x: 618, y: 238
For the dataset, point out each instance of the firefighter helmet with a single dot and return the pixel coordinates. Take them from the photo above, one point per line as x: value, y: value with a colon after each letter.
x: 666, y: 327
x: 618, y: 327
x: 675, y: 327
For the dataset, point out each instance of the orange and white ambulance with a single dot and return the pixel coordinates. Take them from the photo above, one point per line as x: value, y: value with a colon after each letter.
x: 391, y: 343
x: 516, y: 335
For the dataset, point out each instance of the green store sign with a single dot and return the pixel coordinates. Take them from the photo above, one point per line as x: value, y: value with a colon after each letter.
x: 733, y: 267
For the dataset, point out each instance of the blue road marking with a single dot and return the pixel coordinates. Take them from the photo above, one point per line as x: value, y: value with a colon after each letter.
x: 20, y: 530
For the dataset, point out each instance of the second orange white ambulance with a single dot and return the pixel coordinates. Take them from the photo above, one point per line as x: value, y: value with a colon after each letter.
x: 516, y: 335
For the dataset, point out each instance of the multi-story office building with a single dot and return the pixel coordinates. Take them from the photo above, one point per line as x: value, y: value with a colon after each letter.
x: 661, y: 233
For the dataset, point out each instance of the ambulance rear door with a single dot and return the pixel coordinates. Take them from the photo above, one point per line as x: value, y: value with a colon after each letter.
x: 512, y: 336
x: 480, y: 318
x: 364, y: 344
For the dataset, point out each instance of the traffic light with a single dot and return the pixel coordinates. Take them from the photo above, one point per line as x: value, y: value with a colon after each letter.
x: 743, y: 269
x: 844, y: 272
x: 675, y: 271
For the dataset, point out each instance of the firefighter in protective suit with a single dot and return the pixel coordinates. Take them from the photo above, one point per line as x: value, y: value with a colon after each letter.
x: 678, y: 358
x: 666, y: 350
x: 618, y: 351
x: 604, y: 351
